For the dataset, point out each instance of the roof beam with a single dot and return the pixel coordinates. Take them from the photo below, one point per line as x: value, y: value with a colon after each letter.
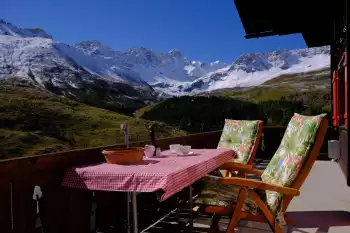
x: 268, y: 33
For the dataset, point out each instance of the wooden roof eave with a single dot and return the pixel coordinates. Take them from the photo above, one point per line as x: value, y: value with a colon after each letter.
x: 260, y: 19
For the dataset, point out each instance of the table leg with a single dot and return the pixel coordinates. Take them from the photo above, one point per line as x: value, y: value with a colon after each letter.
x: 128, y: 211
x: 190, y: 201
x: 134, y: 212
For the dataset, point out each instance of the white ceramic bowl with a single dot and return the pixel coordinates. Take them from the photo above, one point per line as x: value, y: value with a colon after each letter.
x: 185, y: 149
x: 174, y: 148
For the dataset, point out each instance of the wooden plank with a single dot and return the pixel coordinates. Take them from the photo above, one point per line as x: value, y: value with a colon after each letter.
x: 24, y: 177
x: 54, y: 209
x: 5, y: 206
x: 24, y: 207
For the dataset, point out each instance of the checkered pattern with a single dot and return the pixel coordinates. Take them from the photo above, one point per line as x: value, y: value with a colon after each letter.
x: 169, y: 173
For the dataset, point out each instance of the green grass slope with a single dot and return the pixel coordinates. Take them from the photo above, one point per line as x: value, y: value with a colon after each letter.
x: 35, y: 121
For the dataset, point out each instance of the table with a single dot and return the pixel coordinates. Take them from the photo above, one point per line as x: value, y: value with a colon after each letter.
x: 169, y: 173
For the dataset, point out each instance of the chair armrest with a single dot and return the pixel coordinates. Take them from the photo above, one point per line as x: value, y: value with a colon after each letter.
x: 259, y: 185
x: 247, y: 168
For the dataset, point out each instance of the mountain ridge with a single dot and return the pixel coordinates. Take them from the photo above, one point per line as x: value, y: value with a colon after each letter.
x: 7, y: 28
x: 33, y: 54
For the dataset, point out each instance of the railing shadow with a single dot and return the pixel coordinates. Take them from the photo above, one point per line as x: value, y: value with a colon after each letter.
x: 322, y: 220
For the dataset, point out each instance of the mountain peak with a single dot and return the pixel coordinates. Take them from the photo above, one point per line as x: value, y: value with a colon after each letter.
x: 175, y: 53
x: 281, y: 59
x: 8, y: 29
x: 94, y: 47
x: 2, y: 21
x: 90, y: 42
x: 139, y: 50
x: 90, y: 45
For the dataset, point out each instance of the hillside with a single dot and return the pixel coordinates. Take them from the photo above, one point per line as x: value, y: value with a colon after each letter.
x: 308, y: 87
x: 35, y: 121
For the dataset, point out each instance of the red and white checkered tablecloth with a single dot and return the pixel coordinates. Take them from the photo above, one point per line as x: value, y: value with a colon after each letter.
x: 169, y: 173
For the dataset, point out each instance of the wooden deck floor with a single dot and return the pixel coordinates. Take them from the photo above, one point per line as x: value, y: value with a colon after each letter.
x: 323, y: 206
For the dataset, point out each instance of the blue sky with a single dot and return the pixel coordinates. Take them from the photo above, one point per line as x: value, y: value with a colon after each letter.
x: 204, y: 30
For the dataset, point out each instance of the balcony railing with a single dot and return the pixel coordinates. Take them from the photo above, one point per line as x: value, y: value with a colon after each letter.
x: 66, y: 210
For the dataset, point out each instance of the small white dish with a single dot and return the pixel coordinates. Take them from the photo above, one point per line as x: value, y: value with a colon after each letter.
x: 184, y: 154
x: 190, y: 153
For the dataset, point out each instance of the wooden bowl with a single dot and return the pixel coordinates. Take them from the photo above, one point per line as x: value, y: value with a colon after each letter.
x: 124, y: 155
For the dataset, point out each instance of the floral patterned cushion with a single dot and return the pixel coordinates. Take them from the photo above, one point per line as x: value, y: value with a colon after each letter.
x: 216, y: 194
x: 240, y: 136
x: 290, y: 156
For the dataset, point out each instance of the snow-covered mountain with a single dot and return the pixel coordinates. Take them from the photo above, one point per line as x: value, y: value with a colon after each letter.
x: 69, y: 70
x: 151, y: 66
x: 138, y: 74
x: 252, y: 69
x: 33, y: 55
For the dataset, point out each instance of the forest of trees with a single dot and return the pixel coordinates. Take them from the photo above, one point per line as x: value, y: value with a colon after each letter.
x: 201, y: 114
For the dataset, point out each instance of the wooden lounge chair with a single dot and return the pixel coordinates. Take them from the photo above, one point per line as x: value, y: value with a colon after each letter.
x: 242, y: 136
x: 268, y: 199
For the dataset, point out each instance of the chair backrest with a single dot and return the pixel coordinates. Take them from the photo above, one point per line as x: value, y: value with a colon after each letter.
x: 315, y: 151
x: 243, y: 137
x: 295, y: 156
